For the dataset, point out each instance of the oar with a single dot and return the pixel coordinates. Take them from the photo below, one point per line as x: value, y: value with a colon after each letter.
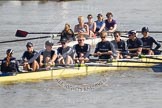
x: 103, y: 65
x: 124, y: 60
x: 21, y: 33
x: 151, y: 57
x: 140, y: 31
x: 143, y: 56
x: 40, y: 37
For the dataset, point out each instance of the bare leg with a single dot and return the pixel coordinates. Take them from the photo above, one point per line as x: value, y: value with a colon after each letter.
x: 69, y: 60
x: 150, y: 52
x: 35, y: 65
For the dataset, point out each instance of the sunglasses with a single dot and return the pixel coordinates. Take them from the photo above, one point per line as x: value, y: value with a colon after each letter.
x: 103, y: 37
x: 81, y: 40
x: 109, y: 16
x: 28, y: 46
x: 116, y: 36
x: 62, y: 42
x: 129, y: 35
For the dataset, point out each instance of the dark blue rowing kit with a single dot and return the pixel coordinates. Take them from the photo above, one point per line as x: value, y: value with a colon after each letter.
x: 120, y: 46
x: 27, y: 55
x: 104, y: 47
x: 82, y: 49
x: 46, y: 54
x: 9, y: 68
x: 137, y: 43
x: 148, y: 43
x: 68, y: 51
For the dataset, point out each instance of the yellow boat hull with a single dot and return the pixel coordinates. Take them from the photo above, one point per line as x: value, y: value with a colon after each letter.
x: 54, y: 74
x: 78, y: 71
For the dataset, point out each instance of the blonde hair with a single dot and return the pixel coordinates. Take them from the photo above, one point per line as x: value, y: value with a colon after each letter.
x: 81, y: 36
x: 81, y: 18
x: 103, y: 34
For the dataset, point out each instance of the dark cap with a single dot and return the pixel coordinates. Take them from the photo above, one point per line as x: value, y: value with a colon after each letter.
x: 145, y: 29
x: 99, y: 15
x: 131, y: 32
x: 49, y: 43
x: 9, y: 51
x: 63, y: 40
x: 29, y: 44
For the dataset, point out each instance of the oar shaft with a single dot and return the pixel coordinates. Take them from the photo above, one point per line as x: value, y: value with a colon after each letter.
x: 17, y: 40
x: 140, y: 31
x: 44, y: 32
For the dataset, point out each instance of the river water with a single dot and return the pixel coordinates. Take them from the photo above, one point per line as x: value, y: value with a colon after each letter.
x: 133, y: 88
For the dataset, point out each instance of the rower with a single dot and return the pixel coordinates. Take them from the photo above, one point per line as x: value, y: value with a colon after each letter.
x: 134, y: 44
x: 9, y: 65
x: 100, y: 24
x: 48, y: 56
x: 81, y: 28
x: 148, y: 42
x: 110, y: 23
x: 82, y: 50
x: 120, y: 45
x: 105, y: 49
x: 67, y: 33
x: 65, y: 53
x: 27, y: 55
x: 92, y: 25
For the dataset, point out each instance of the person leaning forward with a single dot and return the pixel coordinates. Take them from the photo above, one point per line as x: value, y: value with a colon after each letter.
x: 27, y: 56
x: 9, y: 65
x: 48, y: 56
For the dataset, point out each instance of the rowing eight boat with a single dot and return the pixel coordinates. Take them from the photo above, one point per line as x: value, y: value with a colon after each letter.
x: 85, y: 69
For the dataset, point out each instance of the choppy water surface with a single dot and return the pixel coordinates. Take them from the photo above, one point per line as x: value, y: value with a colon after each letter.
x: 132, y: 88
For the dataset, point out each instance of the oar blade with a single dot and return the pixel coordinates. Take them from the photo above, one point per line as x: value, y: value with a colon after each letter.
x: 20, y: 33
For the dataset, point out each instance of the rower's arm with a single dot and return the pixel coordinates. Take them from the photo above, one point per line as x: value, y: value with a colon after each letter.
x: 107, y: 53
x: 41, y: 59
x: 102, y: 28
x: 158, y: 45
x: 94, y: 27
x: 139, y: 50
x: 76, y: 29
x: 68, y: 52
x: 88, y: 52
x: 114, y: 28
x: 54, y: 57
x: 87, y: 30
x: 113, y: 50
x: 96, y: 50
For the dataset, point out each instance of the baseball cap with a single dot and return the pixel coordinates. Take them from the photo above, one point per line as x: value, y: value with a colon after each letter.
x: 10, y: 51
x: 29, y: 44
x: 145, y: 29
x: 49, y: 43
x: 131, y: 32
x: 63, y: 40
x: 99, y: 15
